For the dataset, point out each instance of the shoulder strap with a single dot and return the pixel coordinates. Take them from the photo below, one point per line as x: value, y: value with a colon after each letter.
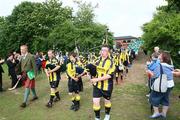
x: 104, y: 62
x: 71, y: 65
x: 161, y: 72
x: 161, y: 69
x: 99, y: 61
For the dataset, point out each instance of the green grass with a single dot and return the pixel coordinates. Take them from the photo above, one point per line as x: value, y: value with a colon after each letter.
x: 128, y: 103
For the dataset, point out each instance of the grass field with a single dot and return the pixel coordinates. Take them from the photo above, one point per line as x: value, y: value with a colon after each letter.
x: 128, y: 100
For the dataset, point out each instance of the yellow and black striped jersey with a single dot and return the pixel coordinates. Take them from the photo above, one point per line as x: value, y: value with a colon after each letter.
x: 50, y: 65
x: 105, y: 67
x: 124, y: 56
x: 71, y: 70
x: 117, y: 60
x: 80, y: 64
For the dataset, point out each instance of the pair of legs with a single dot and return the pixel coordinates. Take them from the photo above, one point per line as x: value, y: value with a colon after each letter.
x: 126, y: 71
x: 97, y: 94
x: 54, y: 96
x: 14, y: 79
x: 156, y: 99
x: 125, y: 68
x: 74, y: 89
x: 75, y: 98
x: 26, y: 95
x: 97, y: 107
x: 117, y: 77
x: 119, y: 73
x: 164, y: 110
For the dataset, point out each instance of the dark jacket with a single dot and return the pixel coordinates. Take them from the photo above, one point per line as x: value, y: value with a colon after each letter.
x: 11, y: 67
x: 1, y: 69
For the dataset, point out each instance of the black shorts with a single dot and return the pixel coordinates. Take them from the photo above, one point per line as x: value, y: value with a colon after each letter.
x: 54, y: 84
x: 80, y: 83
x: 117, y: 69
x: 97, y: 93
x: 73, y: 86
x: 125, y: 63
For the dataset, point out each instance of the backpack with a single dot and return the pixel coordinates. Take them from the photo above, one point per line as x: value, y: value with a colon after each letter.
x: 160, y: 83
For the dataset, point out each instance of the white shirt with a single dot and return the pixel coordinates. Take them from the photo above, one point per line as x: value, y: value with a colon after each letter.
x: 24, y: 56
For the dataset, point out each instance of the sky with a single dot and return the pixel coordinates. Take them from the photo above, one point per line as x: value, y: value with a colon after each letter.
x: 123, y: 17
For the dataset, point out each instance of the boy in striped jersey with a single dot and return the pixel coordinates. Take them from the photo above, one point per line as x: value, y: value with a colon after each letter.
x: 53, y: 73
x: 74, y: 73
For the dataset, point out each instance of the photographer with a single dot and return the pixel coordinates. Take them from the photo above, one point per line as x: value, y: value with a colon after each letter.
x: 11, y: 63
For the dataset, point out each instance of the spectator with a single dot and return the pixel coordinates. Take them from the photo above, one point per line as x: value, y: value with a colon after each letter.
x: 151, y: 67
x: 11, y: 63
x: 157, y: 98
x: 156, y: 49
x: 38, y: 58
x: 43, y: 62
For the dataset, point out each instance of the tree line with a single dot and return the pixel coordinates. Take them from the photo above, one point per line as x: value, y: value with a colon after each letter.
x: 50, y: 25
x: 164, y: 30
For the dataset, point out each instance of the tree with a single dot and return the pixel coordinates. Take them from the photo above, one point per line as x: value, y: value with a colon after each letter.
x: 50, y: 25
x: 30, y: 23
x: 3, y: 28
x: 81, y: 30
x: 163, y: 31
x: 91, y: 34
x: 173, y: 5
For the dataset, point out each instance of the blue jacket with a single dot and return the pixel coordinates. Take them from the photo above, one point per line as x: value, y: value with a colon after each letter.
x: 167, y: 69
x: 153, y: 64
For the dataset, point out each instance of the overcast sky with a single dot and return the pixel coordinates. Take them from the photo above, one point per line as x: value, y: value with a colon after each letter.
x: 124, y: 17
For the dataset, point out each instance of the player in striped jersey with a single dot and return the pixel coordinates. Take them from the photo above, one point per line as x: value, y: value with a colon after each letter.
x: 103, y: 83
x: 53, y: 73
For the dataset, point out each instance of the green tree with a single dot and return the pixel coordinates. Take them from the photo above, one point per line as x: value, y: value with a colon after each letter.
x: 48, y: 25
x: 163, y: 31
x: 30, y: 23
x: 91, y: 34
x: 81, y: 30
x: 3, y: 28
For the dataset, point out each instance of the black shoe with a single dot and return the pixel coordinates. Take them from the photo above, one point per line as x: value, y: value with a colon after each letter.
x: 23, y: 105
x: 34, y: 98
x: 49, y: 105
x: 76, y: 108
x: 72, y: 107
x: 57, y: 99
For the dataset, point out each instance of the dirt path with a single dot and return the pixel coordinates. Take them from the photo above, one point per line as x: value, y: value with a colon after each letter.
x: 137, y: 71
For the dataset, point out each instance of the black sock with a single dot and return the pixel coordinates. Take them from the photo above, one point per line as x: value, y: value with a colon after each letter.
x: 57, y: 94
x: 97, y: 113
x: 116, y: 79
x: 78, y: 103
x: 121, y: 77
x: 51, y: 98
x: 107, y: 110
